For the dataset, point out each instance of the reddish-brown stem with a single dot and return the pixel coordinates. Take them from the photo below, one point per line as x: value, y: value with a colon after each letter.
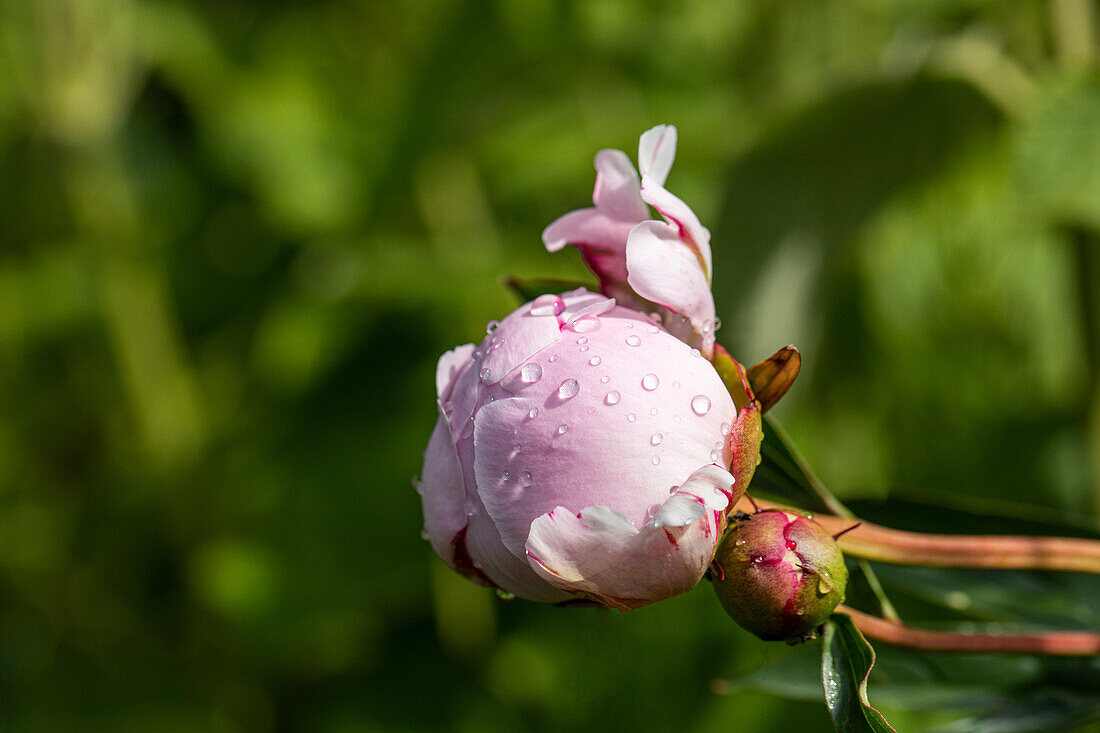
x: 875, y: 542
x: 1065, y: 643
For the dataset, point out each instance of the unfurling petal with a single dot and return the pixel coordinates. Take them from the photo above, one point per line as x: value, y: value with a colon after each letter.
x: 600, y: 232
x: 618, y: 190
x: 693, y: 234
x: 656, y: 151
x: 598, y: 553
x: 661, y: 269
x: 588, y: 228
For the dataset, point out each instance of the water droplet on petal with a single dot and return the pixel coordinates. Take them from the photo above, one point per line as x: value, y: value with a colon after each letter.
x: 485, y: 374
x: 631, y: 417
x: 585, y: 324
x: 569, y: 389
x: 583, y: 348
x: 717, y: 323
x: 656, y: 460
x: 517, y: 448
x: 656, y: 439
x: 633, y: 340
x: 582, y: 340
x: 553, y: 358
x: 547, y: 305
x: 492, y: 326
x: 824, y: 587
x: 613, y: 397
x: 695, y: 352
x: 725, y: 428
x: 563, y: 429
x: 653, y: 329
x: 653, y: 411
x: 506, y: 476
x: 594, y: 361
x: 676, y: 418
x: 650, y: 382
x: 605, y: 379
x: 526, y: 478
x: 533, y: 413
x: 700, y: 404
x: 676, y: 385
x: 738, y: 543
x: 530, y: 373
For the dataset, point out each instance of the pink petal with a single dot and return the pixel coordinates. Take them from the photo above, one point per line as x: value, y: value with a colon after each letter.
x: 614, y: 429
x: 443, y: 491
x: 448, y: 368
x: 618, y: 191
x: 588, y: 227
x: 656, y: 151
x: 694, y: 234
x: 503, y: 568
x: 529, y: 329
x: 661, y: 269
x: 599, y: 553
x: 581, y: 303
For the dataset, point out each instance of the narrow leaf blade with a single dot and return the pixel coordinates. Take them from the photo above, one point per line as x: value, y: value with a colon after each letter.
x: 846, y: 662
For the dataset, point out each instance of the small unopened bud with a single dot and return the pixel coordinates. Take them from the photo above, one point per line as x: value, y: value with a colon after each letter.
x: 779, y: 575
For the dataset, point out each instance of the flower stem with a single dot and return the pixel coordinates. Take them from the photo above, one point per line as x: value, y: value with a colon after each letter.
x: 874, y: 542
x: 1006, y: 552
x: 1065, y: 643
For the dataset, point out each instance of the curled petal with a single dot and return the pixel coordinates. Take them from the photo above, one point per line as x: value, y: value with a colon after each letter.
x: 598, y: 552
x: 656, y: 151
x: 581, y: 303
x: 618, y: 190
x: 590, y: 227
x: 692, y: 233
x: 661, y: 269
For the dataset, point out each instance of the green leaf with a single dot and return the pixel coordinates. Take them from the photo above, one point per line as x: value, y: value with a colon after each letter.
x: 527, y: 289
x: 846, y: 661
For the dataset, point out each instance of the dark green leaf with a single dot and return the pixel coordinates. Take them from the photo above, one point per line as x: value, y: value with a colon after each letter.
x: 846, y: 661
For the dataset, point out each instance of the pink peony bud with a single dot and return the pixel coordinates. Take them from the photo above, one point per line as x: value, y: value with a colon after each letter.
x: 581, y: 452
x: 779, y: 575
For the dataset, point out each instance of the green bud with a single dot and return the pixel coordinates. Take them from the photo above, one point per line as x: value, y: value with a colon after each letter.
x: 779, y: 575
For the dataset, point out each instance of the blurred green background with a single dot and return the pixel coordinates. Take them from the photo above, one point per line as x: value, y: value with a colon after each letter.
x: 236, y: 235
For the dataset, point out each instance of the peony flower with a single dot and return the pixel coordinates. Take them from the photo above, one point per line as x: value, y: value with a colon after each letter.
x: 581, y: 451
x: 662, y: 267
